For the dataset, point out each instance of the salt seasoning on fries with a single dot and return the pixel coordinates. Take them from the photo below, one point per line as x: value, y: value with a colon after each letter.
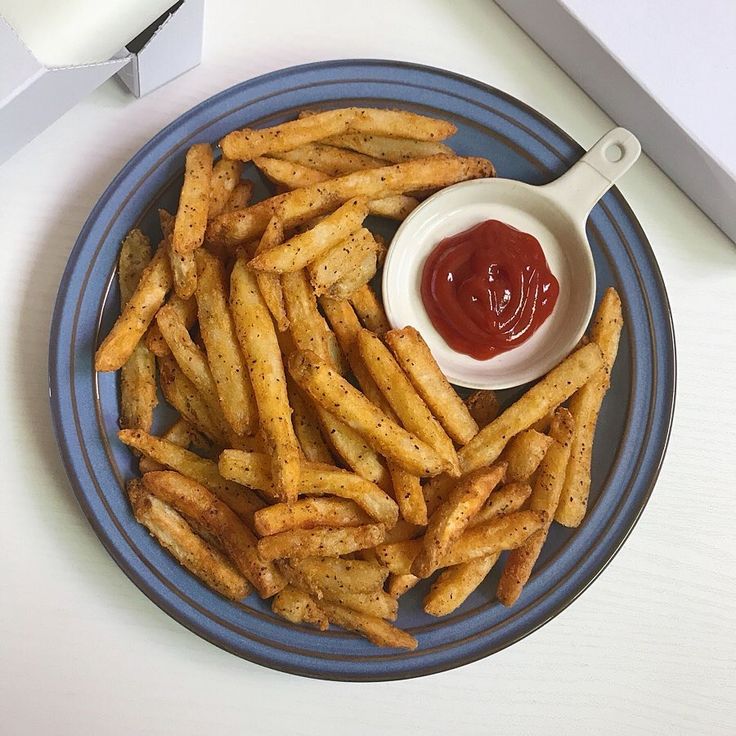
x: 194, y: 200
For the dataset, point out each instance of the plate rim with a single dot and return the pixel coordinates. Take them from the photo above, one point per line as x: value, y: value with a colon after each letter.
x: 135, y: 576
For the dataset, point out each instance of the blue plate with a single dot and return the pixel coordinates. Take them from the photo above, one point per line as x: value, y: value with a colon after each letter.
x: 633, y: 430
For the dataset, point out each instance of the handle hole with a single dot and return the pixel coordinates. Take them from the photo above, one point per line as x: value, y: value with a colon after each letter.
x: 614, y: 153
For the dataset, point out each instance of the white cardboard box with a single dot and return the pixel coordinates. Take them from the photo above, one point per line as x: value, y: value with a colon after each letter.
x: 666, y: 69
x: 33, y: 95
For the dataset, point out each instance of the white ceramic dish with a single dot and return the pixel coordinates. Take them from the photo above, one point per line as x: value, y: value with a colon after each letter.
x: 555, y: 214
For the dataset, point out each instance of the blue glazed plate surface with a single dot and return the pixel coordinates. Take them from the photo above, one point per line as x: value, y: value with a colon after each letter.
x: 633, y: 429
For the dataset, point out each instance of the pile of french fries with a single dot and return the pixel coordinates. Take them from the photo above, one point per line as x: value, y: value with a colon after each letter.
x: 320, y: 457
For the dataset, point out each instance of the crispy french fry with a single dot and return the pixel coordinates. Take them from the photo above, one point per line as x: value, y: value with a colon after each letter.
x: 175, y: 535
x: 585, y: 406
x: 304, y: 204
x: 183, y: 267
x: 384, y: 148
x: 447, y: 524
x: 194, y: 501
x: 257, y: 336
x: 306, y: 325
x: 483, y: 406
x: 138, y: 374
x: 270, y: 283
x: 523, y: 454
x: 341, y: 261
x: 504, y: 500
x: 375, y: 629
x: 223, y: 351
x: 404, y: 400
x: 298, y: 607
x: 419, y: 364
x: 225, y: 177
x: 328, y: 573
x: 323, y: 541
x: 557, y: 386
x: 369, y: 309
x: 308, y: 513
x: 330, y: 160
x: 194, y: 200
x: 454, y: 585
x: 329, y: 390
x: 139, y: 310
x: 243, y: 501
x: 304, y: 248
x: 409, y: 496
x: 397, y: 585
x: 187, y: 311
x: 240, y: 196
x: 365, y: 266
x: 180, y: 433
x: 306, y: 427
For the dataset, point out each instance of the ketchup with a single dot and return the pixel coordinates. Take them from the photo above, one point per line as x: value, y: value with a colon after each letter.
x: 488, y: 289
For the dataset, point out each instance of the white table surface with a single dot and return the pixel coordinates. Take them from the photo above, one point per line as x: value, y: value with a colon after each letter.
x: 649, y: 648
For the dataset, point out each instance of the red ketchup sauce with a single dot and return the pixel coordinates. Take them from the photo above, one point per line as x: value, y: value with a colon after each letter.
x: 488, y: 289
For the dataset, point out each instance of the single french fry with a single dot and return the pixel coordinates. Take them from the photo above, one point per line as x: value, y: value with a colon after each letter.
x: 454, y: 585
x: 180, y: 433
x: 306, y: 427
x: 225, y: 177
x: 139, y: 310
x: 257, y: 336
x: 365, y: 265
x: 306, y: 325
x: 523, y: 454
x: 369, y: 309
x: 194, y: 200
x: 308, y: 513
x: 341, y: 261
x: 408, y: 494
x: 194, y: 553
x: 304, y: 204
x: 323, y: 541
x: 138, y: 375
x: 417, y: 361
x: 304, y: 248
x: 557, y: 386
x: 243, y: 501
x: 397, y: 585
x: 239, y: 197
x: 450, y: 520
x: 399, y: 556
x: 404, y: 400
x: 196, y: 502
x: 270, y: 283
x: 333, y: 393
x: 483, y: 406
x: 298, y: 607
x: 356, y: 576
x: 504, y: 500
x: 384, y: 148
x: 375, y: 629
x: 330, y: 160
x: 183, y: 266
x: 223, y: 351
x: 585, y: 406
x: 186, y: 309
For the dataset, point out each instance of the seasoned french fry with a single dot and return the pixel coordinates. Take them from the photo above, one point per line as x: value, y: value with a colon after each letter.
x: 364, y: 269
x: 308, y: 513
x: 223, y: 351
x: 409, y: 496
x: 180, y: 433
x: 330, y: 160
x: 196, y: 502
x: 304, y: 248
x: 557, y: 386
x: 306, y: 427
x: 375, y: 629
x: 328, y: 573
x: 454, y: 585
x: 419, y: 364
x: 324, y: 541
x: 139, y: 310
x: 270, y: 283
x: 504, y: 500
x: 186, y: 309
x: 304, y: 204
x: 447, y: 524
x: 306, y: 325
x: 194, y: 200
x: 175, y: 535
x: 183, y: 267
x: 397, y: 585
x: 585, y: 406
x: 240, y: 196
x: 404, y: 400
x: 225, y: 177
x: 257, y: 336
x: 483, y: 406
x: 384, y: 148
x: 243, y: 501
x: 138, y: 374
x: 523, y: 454
x: 329, y: 390
x: 369, y: 309
x: 340, y: 262
x: 298, y: 607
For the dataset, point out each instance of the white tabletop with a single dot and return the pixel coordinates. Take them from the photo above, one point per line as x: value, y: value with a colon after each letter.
x: 649, y: 648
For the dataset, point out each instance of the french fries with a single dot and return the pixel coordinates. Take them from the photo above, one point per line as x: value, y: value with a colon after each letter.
x: 483, y: 406
x: 183, y: 266
x: 239, y: 197
x: 454, y: 585
x: 186, y: 309
x: 194, y: 200
x: 369, y: 309
x: 389, y: 149
x: 329, y: 160
x: 298, y: 607
x: 335, y: 573
x: 523, y: 454
x: 306, y: 428
x: 308, y: 513
x: 321, y: 541
x: 225, y: 177
x: 270, y: 283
